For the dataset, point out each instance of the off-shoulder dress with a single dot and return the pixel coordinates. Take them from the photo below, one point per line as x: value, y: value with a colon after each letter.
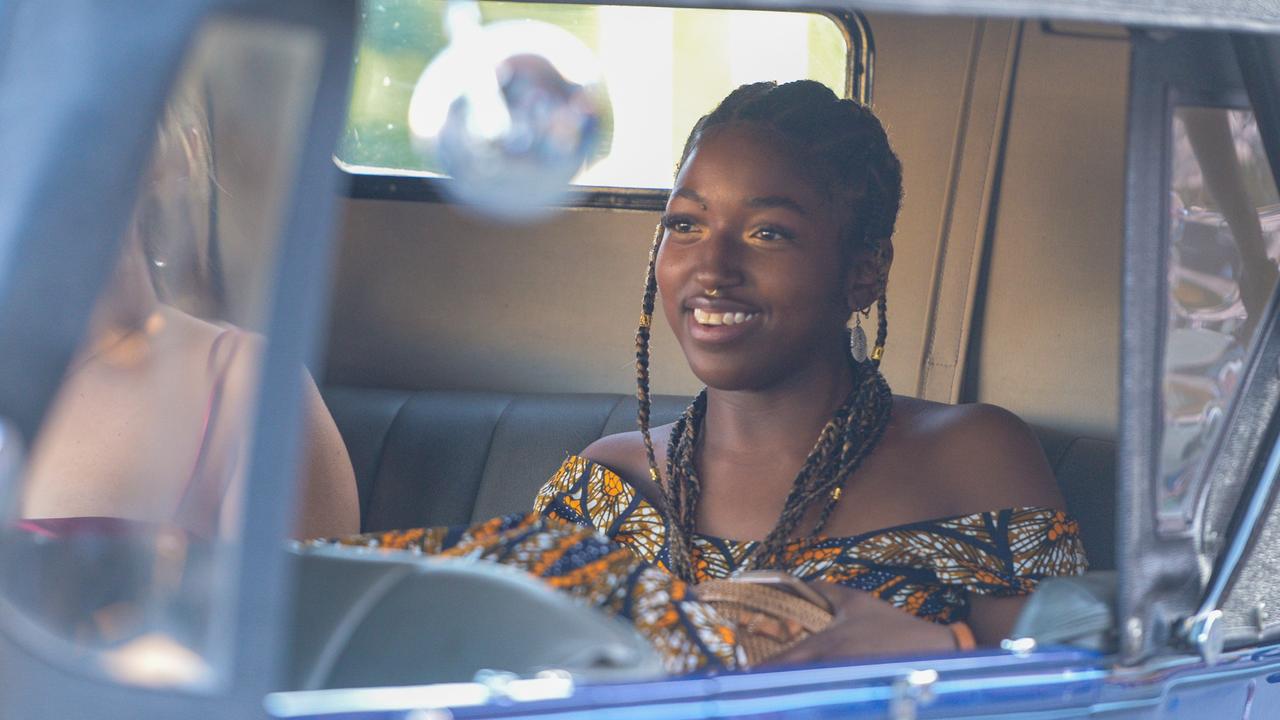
x: 594, y: 536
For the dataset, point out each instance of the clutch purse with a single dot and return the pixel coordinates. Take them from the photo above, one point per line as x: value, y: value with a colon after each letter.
x: 771, y: 610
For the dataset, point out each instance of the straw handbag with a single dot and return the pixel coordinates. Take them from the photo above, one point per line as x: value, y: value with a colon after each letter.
x: 772, y: 610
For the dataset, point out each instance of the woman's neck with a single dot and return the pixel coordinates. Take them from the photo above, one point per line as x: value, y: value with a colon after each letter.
x: 124, y: 319
x: 777, y: 422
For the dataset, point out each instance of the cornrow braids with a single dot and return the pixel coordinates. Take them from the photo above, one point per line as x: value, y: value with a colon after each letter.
x: 841, y: 139
x: 848, y: 150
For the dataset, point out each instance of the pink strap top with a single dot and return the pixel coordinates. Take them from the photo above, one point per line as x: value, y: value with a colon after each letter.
x: 200, y: 506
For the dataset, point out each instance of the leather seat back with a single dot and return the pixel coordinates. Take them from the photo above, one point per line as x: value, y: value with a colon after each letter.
x: 431, y: 458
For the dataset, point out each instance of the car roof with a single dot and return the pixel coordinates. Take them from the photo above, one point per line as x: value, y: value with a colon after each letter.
x: 1261, y: 16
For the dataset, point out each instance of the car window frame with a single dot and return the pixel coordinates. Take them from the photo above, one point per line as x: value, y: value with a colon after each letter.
x: 1248, y: 520
x: 134, y: 72
x: 1171, y: 585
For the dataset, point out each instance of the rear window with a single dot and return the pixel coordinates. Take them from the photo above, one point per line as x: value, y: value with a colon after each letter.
x: 661, y: 68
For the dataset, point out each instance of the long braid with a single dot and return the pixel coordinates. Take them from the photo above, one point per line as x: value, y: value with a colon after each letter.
x: 683, y: 479
x: 882, y: 326
x: 845, y: 141
x: 673, y: 495
x: 643, y: 333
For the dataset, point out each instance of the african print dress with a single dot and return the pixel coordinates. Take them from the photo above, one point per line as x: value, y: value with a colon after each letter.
x: 927, y: 568
x: 593, y: 536
x: 688, y: 635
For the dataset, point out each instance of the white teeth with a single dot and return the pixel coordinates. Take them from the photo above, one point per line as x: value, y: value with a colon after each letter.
x: 702, y: 317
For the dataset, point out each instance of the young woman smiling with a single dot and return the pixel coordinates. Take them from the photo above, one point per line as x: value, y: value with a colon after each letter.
x: 923, y: 525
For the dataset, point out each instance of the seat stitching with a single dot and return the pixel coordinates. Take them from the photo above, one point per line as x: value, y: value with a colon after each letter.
x: 381, y: 455
x: 609, y: 415
x: 1108, y: 549
x: 488, y: 455
x: 1064, y: 453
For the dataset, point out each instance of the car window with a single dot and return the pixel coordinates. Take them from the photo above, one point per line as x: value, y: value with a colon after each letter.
x: 630, y: 52
x: 121, y: 534
x: 1224, y: 241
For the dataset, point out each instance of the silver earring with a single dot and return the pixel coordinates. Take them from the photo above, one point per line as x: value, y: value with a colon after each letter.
x: 858, y: 339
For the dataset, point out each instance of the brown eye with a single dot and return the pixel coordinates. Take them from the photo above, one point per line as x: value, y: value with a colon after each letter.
x: 677, y: 224
x: 773, y: 234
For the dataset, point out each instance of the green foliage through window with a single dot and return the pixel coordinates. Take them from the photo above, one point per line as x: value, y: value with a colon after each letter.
x: 661, y: 67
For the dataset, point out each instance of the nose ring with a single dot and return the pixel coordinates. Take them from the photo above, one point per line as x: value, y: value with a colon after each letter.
x: 713, y: 292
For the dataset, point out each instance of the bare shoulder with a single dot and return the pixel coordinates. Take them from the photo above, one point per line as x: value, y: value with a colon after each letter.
x: 978, y: 456
x: 624, y: 454
x: 945, y: 423
x: 199, y: 338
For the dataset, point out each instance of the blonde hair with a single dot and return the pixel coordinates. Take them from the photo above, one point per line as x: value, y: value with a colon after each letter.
x: 176, y: 211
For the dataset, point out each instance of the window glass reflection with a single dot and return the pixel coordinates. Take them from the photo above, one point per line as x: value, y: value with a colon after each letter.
x: 120, y: 539
x: 1224, y: 226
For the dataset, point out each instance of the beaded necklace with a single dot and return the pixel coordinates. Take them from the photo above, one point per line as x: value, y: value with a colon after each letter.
x: 845, y: 441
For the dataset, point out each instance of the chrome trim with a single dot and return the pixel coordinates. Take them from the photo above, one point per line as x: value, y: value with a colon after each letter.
x: 1254, y: 16
x: 1205, y: 633
x: 1231, y: 561
x: 860, y: 53
x: 308, y: 703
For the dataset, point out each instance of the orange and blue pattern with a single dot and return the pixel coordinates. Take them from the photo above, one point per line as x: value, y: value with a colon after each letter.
x: 593, y: 536
x: 688, y: 635
x: 928, y: 568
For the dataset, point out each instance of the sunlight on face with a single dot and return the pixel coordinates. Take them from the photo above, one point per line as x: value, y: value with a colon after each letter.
x: 750, y: 269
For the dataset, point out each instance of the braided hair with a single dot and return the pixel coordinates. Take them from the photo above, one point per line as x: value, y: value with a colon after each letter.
x: 845, y: 144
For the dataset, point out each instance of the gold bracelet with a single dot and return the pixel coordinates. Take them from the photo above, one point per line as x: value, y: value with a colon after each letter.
x: 963, y: 636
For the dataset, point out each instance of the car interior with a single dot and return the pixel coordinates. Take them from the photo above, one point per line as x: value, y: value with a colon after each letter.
x: 467, y: 357
x: 464, y: 350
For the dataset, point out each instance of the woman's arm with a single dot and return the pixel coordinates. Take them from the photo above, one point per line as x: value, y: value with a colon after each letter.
x: 864, y: 625
x: 327, y: 502
x: 327, y: 499
x: 991, y: 618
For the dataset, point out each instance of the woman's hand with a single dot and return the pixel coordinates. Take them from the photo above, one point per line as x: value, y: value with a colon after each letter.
x: 865, y: 625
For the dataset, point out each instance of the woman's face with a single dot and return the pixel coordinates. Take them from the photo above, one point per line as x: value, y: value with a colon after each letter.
x: 750, y: 270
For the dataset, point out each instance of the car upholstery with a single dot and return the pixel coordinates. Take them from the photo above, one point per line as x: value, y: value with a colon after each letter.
x: 429, y: 458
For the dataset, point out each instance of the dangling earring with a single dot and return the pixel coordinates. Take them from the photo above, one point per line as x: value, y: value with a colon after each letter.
x: 858, y: 337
